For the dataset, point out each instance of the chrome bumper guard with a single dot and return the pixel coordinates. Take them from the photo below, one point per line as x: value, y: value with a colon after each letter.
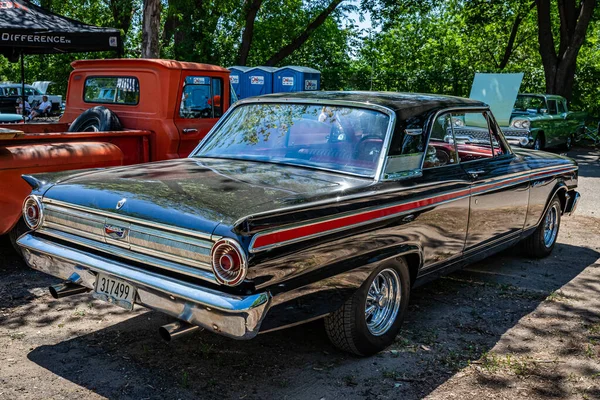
x: 238, y: 317
x: 572, y: 200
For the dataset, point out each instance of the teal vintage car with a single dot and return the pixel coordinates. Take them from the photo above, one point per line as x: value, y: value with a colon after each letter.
x: 543, y: 121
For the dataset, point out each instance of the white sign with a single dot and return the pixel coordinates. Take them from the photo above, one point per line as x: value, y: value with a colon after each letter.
x: 112, y: 41
x: 287, y: 81
x: 198, y: 80
x: 310, y: 84
x: 234, y: 79
x: 257, y: 80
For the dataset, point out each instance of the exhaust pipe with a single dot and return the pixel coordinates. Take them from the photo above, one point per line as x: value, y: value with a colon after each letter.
x: 66, y: 289
x: 176, y: 330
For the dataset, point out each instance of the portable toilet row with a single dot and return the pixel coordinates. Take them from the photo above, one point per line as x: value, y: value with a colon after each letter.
x: 248, y: 82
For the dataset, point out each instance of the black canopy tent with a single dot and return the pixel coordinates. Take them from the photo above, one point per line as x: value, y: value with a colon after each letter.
x: 26, y: 28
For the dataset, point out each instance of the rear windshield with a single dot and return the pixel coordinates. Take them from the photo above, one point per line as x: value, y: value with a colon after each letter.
x: 112, y: 89
x: 337, y: 138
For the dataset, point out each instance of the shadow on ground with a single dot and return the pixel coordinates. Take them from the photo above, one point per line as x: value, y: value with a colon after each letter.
x: 450, y: 322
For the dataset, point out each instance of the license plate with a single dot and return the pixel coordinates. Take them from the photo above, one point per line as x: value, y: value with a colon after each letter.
x: 115, y: 291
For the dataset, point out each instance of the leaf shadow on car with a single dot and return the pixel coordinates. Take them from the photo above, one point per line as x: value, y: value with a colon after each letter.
x: 452, y: 323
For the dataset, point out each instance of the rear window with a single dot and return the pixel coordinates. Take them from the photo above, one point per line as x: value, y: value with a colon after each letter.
x: 112, y: 90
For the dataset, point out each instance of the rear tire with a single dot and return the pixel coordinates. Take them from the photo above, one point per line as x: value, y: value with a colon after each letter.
x: 356, y: 327
x: 96, y: 119
x: 542, y: 241
x: 19, y: 229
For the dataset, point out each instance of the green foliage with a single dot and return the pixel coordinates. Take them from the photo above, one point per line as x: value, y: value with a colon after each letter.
x: 418, y: 46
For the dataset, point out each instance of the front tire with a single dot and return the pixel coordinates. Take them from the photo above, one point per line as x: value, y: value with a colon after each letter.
x: 538, y: 144
x: 542, y: 241
x: 370, y: 320
x: 569, y: 142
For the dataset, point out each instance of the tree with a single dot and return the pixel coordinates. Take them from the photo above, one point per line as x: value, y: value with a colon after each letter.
x: 252, y: 7
x: 151, y: 29
x: 560, y: 67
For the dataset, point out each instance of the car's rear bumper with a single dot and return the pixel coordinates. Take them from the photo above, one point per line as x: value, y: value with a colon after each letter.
x: 572, y: 201
x: 238, y: 317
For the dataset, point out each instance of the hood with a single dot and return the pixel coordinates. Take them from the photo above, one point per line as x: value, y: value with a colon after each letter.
x: 499, y: 91
x: 199, y: 194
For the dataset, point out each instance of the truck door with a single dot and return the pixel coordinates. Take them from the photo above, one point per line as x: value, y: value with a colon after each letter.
x: 200, y: 107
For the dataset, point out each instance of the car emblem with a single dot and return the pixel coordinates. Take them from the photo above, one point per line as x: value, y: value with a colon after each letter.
x: 115, y: 232
x: 120, y: 204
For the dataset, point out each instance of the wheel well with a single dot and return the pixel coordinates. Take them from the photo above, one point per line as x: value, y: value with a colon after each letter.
x: 562, y: 196
x: 541, y: 136
x: 413, y: 261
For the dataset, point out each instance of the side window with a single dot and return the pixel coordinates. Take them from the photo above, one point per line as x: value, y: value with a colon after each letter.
x: 476, y: 136
x: 201, y: 98
x: 561, y: 107
x: 441, y: 149
x: 552, y: 107
x: 29, y: 92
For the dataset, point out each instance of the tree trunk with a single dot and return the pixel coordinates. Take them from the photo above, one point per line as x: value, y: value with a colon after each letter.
x: 122, y: 11
x: 303, y: 37
x: 150, y: 29
x: 252, y: 7
x: 513, y: 36
x: 559, y: 68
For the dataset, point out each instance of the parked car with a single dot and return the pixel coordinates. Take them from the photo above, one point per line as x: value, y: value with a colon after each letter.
x: 543, y: 121
x: 142, y: 120
x: 9, y: 92
x: 301, y: 206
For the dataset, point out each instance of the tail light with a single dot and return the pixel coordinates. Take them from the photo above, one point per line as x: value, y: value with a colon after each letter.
x: 33, y: 212
x: 229, y: 262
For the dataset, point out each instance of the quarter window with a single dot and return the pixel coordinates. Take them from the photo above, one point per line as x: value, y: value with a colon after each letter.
x: 112, y: 90
x: 201, y: 98
x: 476, y: 136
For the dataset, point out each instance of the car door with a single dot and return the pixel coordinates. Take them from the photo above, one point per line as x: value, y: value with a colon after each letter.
x: 445, y: 226
x: 200, y: 106
x: 499, y: 184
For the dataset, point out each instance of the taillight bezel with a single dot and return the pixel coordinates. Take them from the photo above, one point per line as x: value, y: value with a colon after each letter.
x: 219, y: 251
x: 33, y: 222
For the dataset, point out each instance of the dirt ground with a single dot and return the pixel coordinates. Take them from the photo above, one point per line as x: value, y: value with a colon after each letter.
x: 505, y: 328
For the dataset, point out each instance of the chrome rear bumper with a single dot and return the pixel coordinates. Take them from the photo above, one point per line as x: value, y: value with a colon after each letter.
x: 238, y: 317
x: 572, y: 200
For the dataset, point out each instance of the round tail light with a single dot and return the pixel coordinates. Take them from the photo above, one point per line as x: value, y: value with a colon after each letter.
x: 229, y: 262
x: 33, y: 212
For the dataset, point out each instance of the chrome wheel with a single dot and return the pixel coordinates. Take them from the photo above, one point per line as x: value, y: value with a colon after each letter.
x: 537, y: 145
x: 383, y: 302
x: 551, y: 226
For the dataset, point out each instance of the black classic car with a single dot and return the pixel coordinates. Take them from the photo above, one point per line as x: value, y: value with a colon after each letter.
x: 301, y: 206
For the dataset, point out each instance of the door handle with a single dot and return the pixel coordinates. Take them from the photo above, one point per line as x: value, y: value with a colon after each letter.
x: 190, y: 130
x: 475, y: 172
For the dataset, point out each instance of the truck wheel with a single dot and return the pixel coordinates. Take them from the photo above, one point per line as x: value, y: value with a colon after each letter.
x: 542, y: 241
x: 569, y: 142
x: 19, y: 229
x: 370, y: 320
x: 539, y: 142
x: 96, y: 119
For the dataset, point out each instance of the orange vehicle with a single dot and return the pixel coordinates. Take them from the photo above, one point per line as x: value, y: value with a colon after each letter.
x: 118, y: 112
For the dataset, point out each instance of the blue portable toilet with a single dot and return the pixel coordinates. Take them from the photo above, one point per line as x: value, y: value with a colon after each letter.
x: 258, y: 81
x: 236, y: 77
x: 296, y: 79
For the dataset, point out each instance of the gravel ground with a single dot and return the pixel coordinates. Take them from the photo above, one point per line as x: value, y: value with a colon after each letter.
x: 507, y: 327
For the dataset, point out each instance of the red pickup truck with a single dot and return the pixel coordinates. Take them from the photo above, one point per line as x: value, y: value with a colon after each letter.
x: 118, y: 112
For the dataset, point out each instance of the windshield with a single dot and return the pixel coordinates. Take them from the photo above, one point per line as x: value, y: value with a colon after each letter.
x: 336, y: 138
x: 530, y: 103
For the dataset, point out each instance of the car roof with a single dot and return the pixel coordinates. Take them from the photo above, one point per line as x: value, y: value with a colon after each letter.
x: 17, y: 85
x: 146, y: 63
x: 409, y: 103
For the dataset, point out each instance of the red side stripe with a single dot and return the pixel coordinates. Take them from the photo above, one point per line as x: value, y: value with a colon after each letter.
x: 342, y: 222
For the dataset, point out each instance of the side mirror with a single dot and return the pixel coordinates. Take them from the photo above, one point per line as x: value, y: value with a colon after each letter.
x: 543, y: 110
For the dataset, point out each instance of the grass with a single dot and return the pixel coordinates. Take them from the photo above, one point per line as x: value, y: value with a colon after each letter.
x: 518, y: 366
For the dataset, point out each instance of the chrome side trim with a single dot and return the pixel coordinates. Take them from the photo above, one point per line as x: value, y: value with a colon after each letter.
x: 518, y: 178
x: 131, y: 255
x: 235, y: 316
